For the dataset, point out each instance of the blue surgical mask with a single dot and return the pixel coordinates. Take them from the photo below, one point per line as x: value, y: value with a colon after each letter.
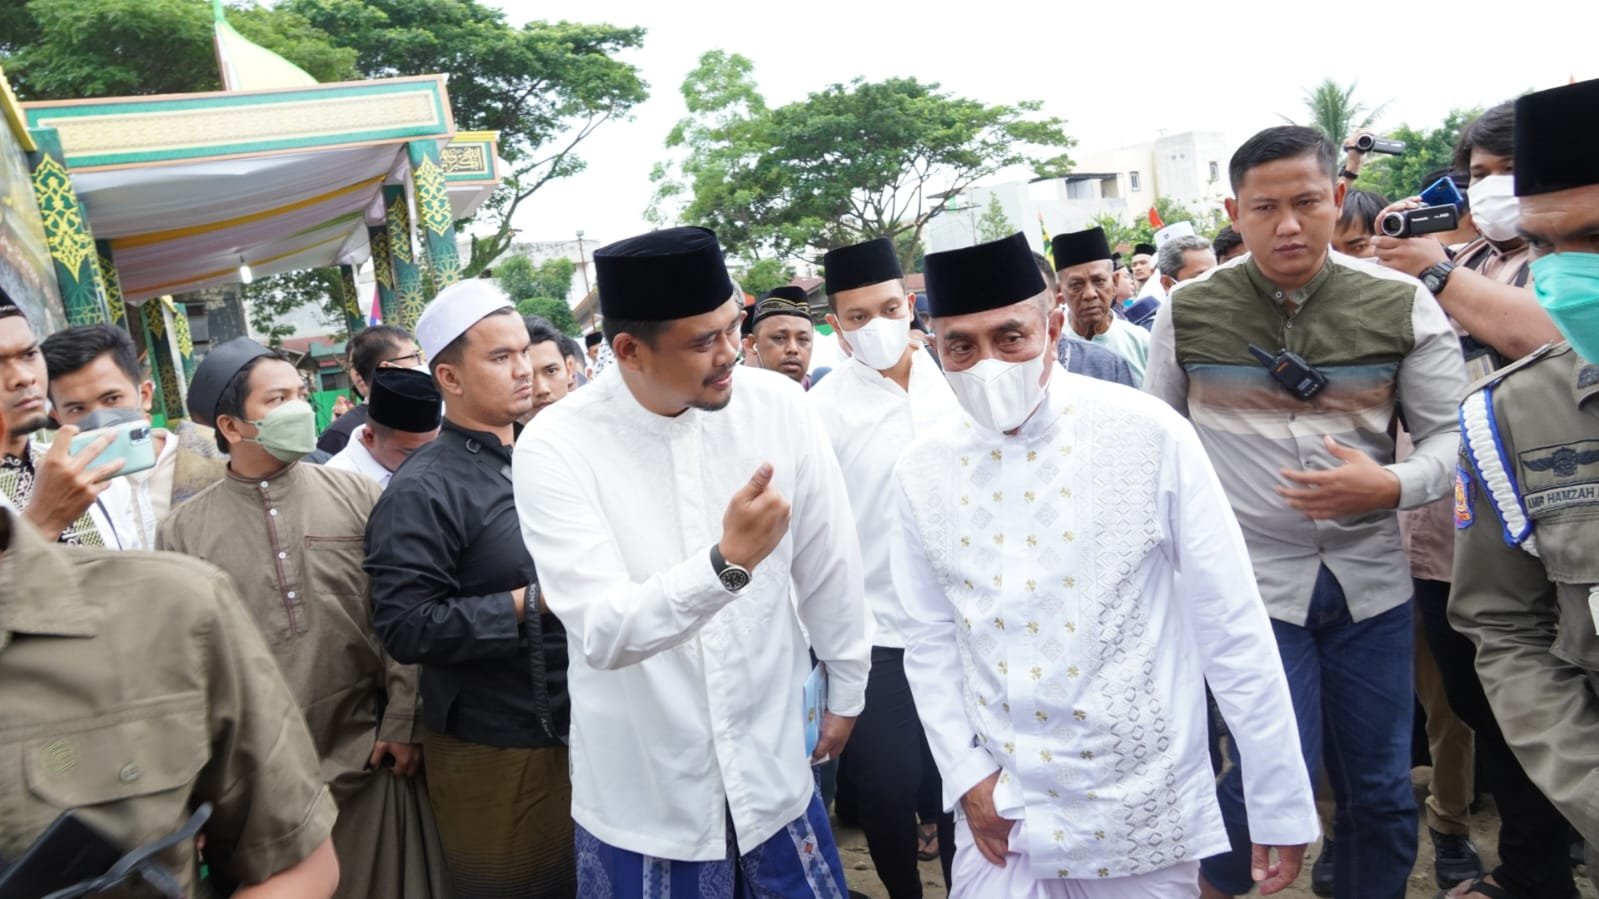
x: 1567, y: 287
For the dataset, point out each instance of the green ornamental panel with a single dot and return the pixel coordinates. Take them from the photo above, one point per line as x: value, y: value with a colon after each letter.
x: 113, y: 285
x: 436, y: 221
x: 168, y: 396
x: 409, y: 295
x: 349, y: 301
x: 178, y: 314
x: 382, y: 267
x: 66, y: 231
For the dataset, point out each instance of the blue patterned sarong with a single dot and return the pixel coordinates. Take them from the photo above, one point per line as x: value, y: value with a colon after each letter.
x: 798, y: 862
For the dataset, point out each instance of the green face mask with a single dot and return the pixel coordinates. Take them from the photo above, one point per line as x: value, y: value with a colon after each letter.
x: 287, y: 432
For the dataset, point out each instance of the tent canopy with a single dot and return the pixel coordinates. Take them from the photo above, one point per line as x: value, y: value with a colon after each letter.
x: 187, y: 187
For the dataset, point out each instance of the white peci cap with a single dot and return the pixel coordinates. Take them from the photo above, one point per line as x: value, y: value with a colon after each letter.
x: 455, y: 310
x: 1173, y: 231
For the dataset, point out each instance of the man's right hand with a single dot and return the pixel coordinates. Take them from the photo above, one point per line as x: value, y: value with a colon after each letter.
x: 64, y: 486
x: 1275, y: 877
x: 755, y: 521
x: 990, y: 832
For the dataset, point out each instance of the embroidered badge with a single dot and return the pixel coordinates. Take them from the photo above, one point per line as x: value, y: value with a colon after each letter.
x: 1463, y: 513
x: 1587, y: 377
x: 1564, y: 460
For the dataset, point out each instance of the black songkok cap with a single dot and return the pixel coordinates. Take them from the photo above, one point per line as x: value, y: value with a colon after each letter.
x: 1556, y: 132
x: 215, y: 371
x: 785, y: 300
x: 860, y: 264
x: 406, y: 400
x: 987, y: 276
x: 1078, y: 247
x: 1144, y: 249
x: 593, y: 338
x: 662, y: 276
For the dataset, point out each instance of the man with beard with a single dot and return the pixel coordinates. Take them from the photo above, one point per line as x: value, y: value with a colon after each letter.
x: 684, y: 509
x: 781, y: 332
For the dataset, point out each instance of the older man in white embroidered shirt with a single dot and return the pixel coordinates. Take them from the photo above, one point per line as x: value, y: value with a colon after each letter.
x: 1042, y: 536
x: 672, y: 569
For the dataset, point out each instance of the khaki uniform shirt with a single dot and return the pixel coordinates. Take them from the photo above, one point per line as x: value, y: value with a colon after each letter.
x: 1526, y: 577
x: 133, y: 687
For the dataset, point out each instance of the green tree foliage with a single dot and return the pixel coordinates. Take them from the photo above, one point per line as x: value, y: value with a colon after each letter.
x: 994, y: 224
x: 521, y: 279
x: 545, y: 87
x: 763, y: 275
x: 556, y: 311
x: 66, y: 49
x: 1118, y: 232
x: 1333, y: 109
x: 269, y: 300
x: 1426, y: 151
x: 848, y: 163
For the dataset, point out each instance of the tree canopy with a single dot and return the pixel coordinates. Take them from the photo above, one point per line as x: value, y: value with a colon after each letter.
x: 848, y: 163
x: 1426, y: 151
x: 1334, y: 109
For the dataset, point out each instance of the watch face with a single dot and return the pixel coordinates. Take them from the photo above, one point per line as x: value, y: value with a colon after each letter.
x: 734, y: 579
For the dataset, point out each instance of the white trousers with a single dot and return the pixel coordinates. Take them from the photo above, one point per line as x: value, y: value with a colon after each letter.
x: 975, y: 877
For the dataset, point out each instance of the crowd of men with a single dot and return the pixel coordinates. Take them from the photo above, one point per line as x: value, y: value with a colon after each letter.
x: 1083, y: 579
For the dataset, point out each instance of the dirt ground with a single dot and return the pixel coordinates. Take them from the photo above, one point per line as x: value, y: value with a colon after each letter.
x: 1484, y: 826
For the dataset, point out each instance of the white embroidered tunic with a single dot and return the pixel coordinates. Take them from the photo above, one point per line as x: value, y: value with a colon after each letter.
x: 1040, y: 575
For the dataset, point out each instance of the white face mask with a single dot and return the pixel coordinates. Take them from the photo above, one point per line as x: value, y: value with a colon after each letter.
x: 1494, y: 207
x: 1000, y: 395
x: 880, y: 342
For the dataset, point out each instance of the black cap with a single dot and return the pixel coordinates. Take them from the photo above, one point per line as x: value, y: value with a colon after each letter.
x: 1144, y: 249
x: 406, y: 400
x: 987, y: 276
x: 593, y: 338
x: 860, y: 264
x: 785, y: 300
x: 662, y: 276
x: 215, y: 371
x: 1077, y: 247
x: 1556, y: 131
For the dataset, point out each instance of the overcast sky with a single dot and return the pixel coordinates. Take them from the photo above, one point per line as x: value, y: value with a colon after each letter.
x: 1119, y: 73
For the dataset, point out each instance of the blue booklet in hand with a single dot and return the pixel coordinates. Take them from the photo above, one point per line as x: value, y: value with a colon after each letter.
x: 815, y: 703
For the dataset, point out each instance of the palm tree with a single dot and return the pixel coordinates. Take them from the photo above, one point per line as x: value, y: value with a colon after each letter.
x: 1333, y: 109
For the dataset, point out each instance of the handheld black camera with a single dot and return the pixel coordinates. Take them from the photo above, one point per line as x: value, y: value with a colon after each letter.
x: 1291, y: 371
x: 1416, y: 222
x: 1370, y: 143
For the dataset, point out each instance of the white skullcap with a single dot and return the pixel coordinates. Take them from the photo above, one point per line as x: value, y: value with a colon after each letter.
x: 455, y: 310
x: 1173, y: 231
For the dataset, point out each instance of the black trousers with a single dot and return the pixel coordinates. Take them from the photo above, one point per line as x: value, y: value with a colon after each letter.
x: 887, y: 763
x: 1533, y: 859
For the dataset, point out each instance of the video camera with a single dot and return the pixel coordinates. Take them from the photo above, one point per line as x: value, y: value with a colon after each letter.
x: 1442, y: 212
x: 1369, y: 143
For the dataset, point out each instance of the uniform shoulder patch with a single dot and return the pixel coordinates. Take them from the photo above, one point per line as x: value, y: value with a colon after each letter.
x: 1464, y: 516
x: 1500, y: 374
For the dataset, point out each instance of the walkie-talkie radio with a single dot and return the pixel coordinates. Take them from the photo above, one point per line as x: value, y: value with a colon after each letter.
x: 1290, y: 370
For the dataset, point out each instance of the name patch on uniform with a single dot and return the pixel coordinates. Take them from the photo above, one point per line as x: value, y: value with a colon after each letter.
x: 1463, y: 514
x: 1545, y: 501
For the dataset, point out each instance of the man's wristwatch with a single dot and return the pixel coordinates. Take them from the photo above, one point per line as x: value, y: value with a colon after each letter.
x: 1437, y: 275
x: 733, y: 577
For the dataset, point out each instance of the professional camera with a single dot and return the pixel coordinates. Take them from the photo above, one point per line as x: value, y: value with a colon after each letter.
x: 1416, y: 222
x: 1367, y: 143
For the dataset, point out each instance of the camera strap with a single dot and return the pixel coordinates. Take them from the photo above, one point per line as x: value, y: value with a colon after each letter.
x: 141, y: 864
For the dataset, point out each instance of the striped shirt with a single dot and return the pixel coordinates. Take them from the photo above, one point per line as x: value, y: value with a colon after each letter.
x: 1381, y: 340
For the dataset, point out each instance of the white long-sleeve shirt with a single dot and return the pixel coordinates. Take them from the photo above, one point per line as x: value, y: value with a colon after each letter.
x: 1050, y: 641
x: 687, y: 699
x: 869, y: 420
x: 357, y: 458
